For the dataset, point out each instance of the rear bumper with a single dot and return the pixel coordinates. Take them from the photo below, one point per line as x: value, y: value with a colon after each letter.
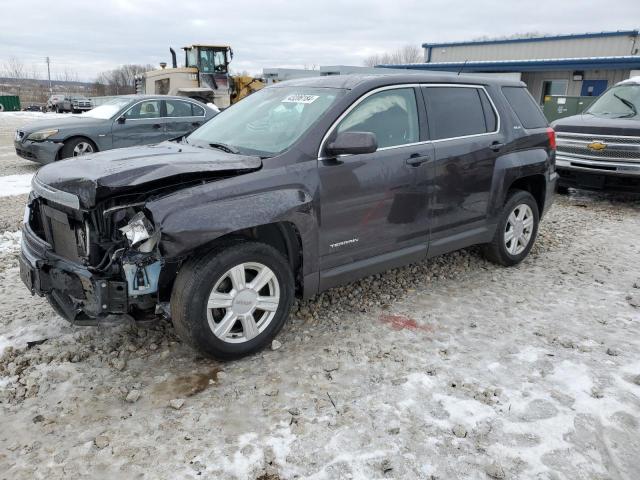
x: 79, y: 292
x: 41, y: 152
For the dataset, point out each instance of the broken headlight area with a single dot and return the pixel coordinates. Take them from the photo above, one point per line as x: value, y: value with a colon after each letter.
x: 140, y: 261
x: 140, y: 233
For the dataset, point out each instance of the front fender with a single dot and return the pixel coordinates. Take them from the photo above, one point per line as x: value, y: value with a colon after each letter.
x: 187, y: 223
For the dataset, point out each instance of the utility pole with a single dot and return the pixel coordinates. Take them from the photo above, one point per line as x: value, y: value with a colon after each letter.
x: 49, y: 75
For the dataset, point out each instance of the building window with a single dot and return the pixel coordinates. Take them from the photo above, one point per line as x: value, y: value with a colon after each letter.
x: 554, y: 88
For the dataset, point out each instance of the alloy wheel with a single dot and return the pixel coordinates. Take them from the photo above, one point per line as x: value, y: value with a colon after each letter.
x: 82, y: 148
x: 519, y: 229
x: 243, y: 302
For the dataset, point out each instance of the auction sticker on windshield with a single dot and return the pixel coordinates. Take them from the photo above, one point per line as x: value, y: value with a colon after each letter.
x: 298, y: 98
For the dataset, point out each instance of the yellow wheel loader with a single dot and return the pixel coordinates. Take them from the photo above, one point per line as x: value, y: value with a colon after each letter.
x: 205, y: 77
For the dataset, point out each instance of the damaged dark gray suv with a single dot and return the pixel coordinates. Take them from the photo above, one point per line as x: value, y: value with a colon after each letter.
x: 300, y: 187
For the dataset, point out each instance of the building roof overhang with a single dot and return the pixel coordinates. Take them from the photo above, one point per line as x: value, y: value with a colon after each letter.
x: 490, y: 66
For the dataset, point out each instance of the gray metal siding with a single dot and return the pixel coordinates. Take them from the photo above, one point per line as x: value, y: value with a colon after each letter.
x: 534, y: 80
x: 561, y: 48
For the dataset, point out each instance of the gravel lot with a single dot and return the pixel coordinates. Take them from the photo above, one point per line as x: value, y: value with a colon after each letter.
x: 449, y: 369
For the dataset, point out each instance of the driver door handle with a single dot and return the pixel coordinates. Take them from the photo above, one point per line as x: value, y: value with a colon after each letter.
x: 157, y: 126
x: 495, y: 146
x: 416, y: 160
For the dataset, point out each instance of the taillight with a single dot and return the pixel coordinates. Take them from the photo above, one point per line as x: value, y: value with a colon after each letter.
x: 551, y: 134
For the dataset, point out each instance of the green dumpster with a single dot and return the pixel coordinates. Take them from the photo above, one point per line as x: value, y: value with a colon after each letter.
x: 9, y: 103
x: 556, y: 107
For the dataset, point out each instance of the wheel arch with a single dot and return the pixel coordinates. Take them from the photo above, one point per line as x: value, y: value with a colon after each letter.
x: 535, y: 185
x: 284, y: 219
x: 284, y: 236
x: 525, y: 169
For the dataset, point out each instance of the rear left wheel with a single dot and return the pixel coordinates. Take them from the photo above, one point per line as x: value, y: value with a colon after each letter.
x: 516, y: 231
x: 232, y: 301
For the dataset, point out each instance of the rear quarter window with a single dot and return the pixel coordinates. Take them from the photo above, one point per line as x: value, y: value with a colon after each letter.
x: 525, y: 107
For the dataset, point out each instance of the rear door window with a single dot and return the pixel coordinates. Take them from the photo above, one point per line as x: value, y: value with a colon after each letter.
x: 178, y: 108
x: 457, y: 112
x: 197, y: 110
x: 391, y: 115
x: 525, y: 107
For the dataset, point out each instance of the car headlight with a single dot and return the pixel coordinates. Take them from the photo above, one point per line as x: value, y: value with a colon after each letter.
x: 140, y: 233
x: 41, y: 135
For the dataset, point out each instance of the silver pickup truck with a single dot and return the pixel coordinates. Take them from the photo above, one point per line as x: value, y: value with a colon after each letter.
x: 65, y: 103
x: 600, y: 148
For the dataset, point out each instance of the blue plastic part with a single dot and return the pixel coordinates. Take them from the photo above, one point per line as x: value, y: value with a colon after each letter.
x: 142, y: 280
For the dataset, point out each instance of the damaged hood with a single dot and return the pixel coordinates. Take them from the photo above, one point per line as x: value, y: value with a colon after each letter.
x: 92, y: 178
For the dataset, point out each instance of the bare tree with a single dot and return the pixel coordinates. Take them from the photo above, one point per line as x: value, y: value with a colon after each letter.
x: 401, y: 56
x: 121, y: 80
x: 67, y: 75
x: 34, y: 72
x: 14, y: 68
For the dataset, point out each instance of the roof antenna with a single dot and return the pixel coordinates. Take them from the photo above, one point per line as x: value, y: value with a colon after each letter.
x: 462, y: 67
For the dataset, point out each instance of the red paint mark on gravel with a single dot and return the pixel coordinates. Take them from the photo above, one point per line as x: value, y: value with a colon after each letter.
x: 401, y: 322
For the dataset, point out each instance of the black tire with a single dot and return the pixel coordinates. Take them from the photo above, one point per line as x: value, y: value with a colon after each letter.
x: 67, y: 149
x: 496, y: 251
x: 562, y: 190
x: 197, y: 278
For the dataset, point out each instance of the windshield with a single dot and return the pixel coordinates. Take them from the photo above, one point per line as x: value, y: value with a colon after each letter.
x: 622, y: 101
x: 108, y: 109
x: 212, y: 61
x: 267, y: 122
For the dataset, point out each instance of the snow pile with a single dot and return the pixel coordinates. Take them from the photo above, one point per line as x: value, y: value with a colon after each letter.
x: 10, y: 241
x: 27, y: 114
x: 15, y: 184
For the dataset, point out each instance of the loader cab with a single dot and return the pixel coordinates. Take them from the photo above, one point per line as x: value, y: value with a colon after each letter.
x: 211, y: 59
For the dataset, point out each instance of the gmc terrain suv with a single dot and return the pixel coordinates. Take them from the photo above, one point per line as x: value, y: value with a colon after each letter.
x: 298, y: 188
x: 600, y: 148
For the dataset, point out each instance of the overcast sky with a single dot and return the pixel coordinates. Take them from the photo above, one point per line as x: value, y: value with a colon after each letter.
x: 89, y: 36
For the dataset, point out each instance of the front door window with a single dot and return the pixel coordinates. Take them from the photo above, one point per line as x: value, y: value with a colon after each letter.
x: 391, y: 115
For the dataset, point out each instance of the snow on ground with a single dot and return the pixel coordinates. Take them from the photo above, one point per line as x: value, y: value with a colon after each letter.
x: 4, y: 116
x: 10, y: 242
x: 15, y: 184
x: 447, y: 369
x: 450, y: 369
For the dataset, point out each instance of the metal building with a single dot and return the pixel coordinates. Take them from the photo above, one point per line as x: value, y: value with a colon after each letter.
x: 559, y: 65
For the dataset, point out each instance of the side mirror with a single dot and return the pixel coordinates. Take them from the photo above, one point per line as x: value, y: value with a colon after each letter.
x: 353, y: 143
x: 121, y: 120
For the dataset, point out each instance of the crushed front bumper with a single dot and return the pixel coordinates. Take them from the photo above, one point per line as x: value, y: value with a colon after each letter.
x: 79, y: 293
x: 41, y: 152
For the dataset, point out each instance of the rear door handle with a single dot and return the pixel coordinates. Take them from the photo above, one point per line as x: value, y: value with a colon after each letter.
x: 157, y: 126
x: 416, y: 160
x: 196, y: 124
x: 495, y: 146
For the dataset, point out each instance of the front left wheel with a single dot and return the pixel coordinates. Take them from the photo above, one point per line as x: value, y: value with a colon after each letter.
x: 232, y: 301
x: 76, y: 147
